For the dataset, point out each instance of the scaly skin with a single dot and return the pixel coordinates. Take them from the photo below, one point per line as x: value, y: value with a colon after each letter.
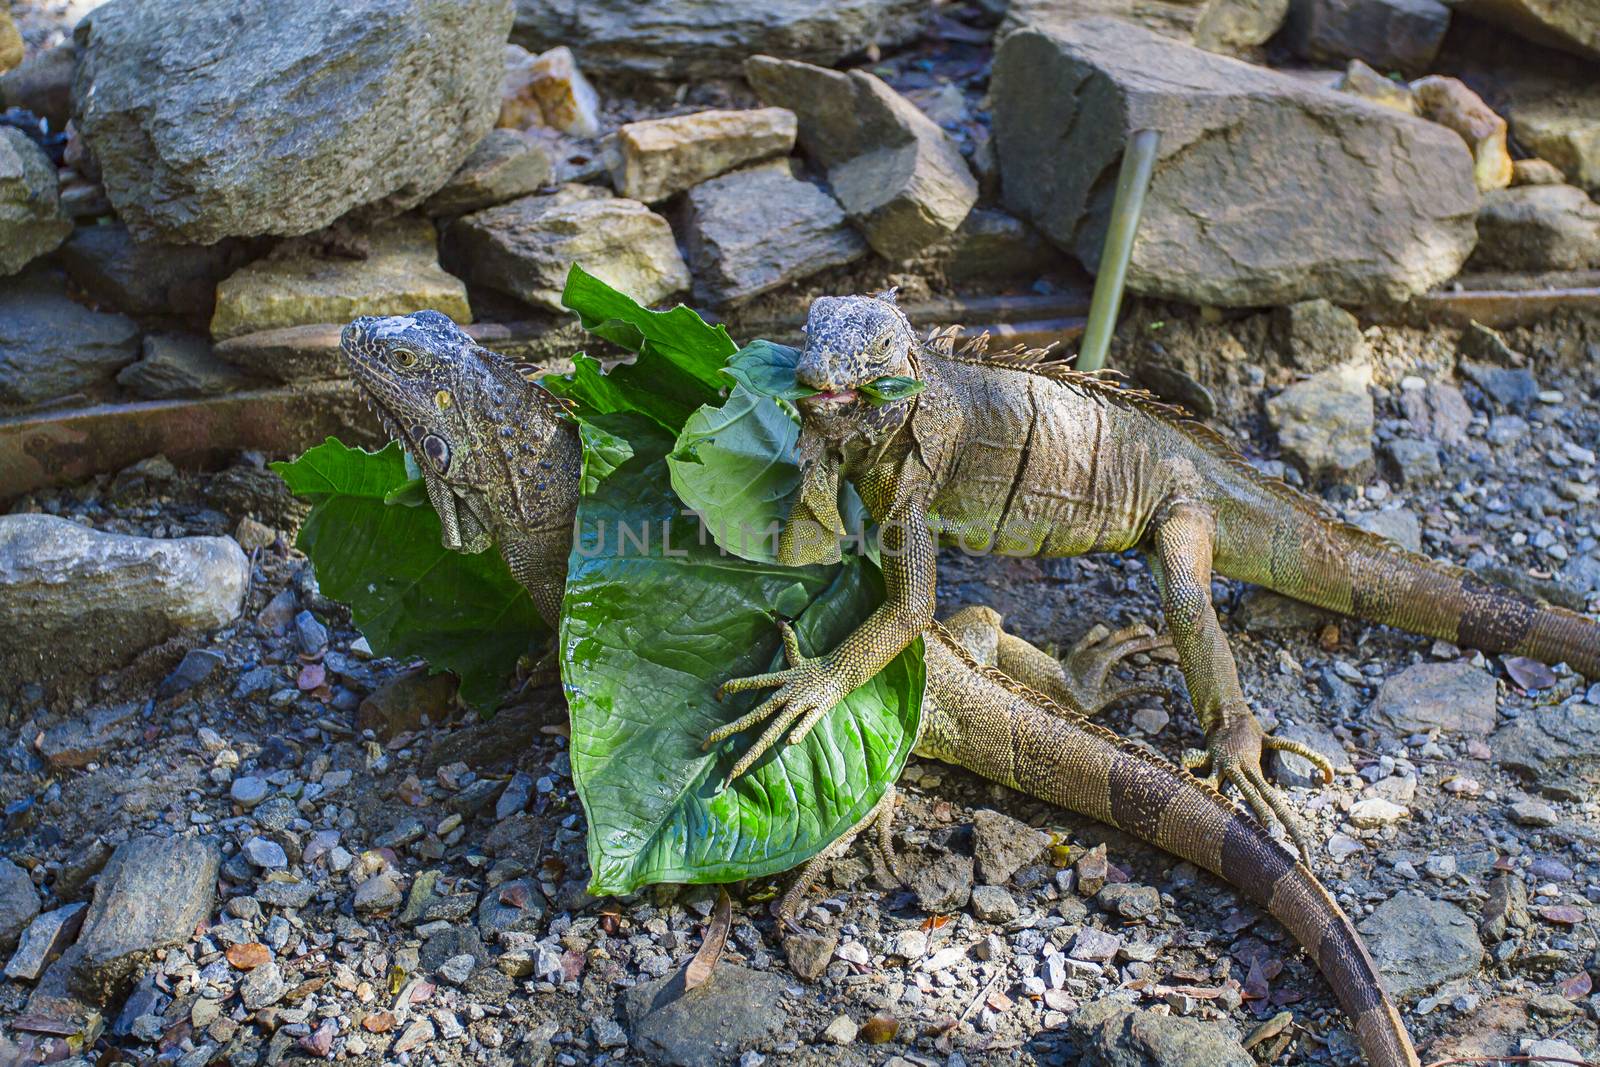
x: 974, y: 715
x: 1039, y: 460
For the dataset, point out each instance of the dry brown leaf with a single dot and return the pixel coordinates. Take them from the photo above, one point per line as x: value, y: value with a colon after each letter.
x: 705, y: 959
x: 879, y: 1029
x: 249, y: 955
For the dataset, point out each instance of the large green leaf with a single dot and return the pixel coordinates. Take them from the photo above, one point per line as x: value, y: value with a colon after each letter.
x: 654, y: 621
x: 408, y: 595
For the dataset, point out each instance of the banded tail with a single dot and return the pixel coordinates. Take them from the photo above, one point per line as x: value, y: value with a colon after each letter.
x: 980, y: 719
x: 1285, y: 541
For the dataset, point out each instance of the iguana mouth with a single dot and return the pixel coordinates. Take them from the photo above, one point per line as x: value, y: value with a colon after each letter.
x: 827, y: 401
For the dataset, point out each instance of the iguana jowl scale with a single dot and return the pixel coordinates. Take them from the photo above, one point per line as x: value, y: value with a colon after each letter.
x: 448, y: 399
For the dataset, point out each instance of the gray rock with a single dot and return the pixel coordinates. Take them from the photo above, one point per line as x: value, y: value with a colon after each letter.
x: 524, y: 248
x: 1571, y: 25
x: 657, y: 158
x: 737, y: 1008
x: 247, y: 791
x: 151, y: 279
x: 80, y: 742
x: 900, y: 177
x: 52, y: 347
x: 294, y: 894
x: 710, y: 38
x: 1318, y: 334
x: 991, y: 245
x: 1563, y: 127
x: 1505, y: 908
x: 994, y: 904
x: 1325, y: 424
x: 179, y: 364
x: 151, y: 895
x: 449, y: 943
x: 1438, y: 410
x: 300, y: 283
x: 292, y: 354
x: 1215, y: 25
x: 505, y: 165
x: 1549, y: 739
x: 1510, y: 387
x: 809, y: 954
x: 263, y: 987
x: 1411, y: 462
x: 1128, y: 900
x: 1288, y: 769
x: 75, y: 602
x: 1538, y: 227
x: 514, y: 798
x: 282, y: 116
x: 457, y: 969
x: 1094, y: 945
x: 1389, y: 34
x: 515, y: 906
x: 43, y: 84
x: 309, y: 633
x: 1396, y: 196
x: 19, y: 903
x: 1456, y: 697
x: 1534, y: 813
x: 265, y: 854
x: 942, y: 881
x: 45, y: 938
x: 1261, y: 611
x: 378, y: 894
x: 1399, y: 525
x: 1114, y: 1034
x: 1419, y: 943
x: 1002, y: 844
x: 31, y: 220
x: 754, y: 230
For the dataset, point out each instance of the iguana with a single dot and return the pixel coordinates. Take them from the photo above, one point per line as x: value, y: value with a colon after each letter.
x: 483, y: 427
x: 1019, y: 459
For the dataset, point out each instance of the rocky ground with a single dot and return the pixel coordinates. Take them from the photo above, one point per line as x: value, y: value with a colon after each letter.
x: 233, y: 835
x: 394, y: 881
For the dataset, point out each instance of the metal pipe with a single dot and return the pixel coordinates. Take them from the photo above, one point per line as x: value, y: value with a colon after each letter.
x: 1138, y: 160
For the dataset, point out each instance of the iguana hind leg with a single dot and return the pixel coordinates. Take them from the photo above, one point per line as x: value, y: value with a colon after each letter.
x: 881, y: 819
x: 1182, y: 547
x: 1078, y: 683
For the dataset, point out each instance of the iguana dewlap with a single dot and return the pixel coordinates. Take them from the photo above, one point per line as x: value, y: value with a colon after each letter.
x: 517, y: 484
x: 1040, y: 460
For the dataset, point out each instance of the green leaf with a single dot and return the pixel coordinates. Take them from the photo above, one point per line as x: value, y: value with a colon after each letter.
x: 767, y: 368
x: 603, y: 452
x: 650, y: 628
x: 409, y: 596
x: 734, y: 466
x: 677, y: 367
x: 890, y: 389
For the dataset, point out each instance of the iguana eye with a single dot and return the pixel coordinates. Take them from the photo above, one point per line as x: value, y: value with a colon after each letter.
x: 403, y: 358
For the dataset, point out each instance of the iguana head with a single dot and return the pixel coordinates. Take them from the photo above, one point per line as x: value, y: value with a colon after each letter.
x: 859, y: 356
x: 468, y: 418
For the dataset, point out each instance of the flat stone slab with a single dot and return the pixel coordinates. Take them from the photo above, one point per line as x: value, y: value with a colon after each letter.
x: 1419, y: 943
x: 151, y: 895
x: 1455, y: 697
x: 712, y: 1023
x: 46, y: 937
x: 659, y: 157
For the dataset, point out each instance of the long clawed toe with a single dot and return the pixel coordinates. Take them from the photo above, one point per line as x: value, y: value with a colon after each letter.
x: 1264, y: 800
x: 1090, y: 662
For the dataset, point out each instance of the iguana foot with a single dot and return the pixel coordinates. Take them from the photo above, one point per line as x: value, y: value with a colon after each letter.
x: 807, y: 690
x: 1088, y: 666
x: 881, y: 819
x: 1233, y: 756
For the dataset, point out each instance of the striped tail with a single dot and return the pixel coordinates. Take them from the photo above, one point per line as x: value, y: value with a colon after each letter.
x: 1286, y: 542
x: 978, y: 718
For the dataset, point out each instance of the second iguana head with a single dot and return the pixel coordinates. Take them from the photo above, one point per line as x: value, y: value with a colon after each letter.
x: 860, y: 360
x: 477, y: 428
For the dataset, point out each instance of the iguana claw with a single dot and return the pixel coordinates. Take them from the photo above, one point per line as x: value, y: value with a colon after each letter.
x: 807, y: 690
x: 1232, y: 756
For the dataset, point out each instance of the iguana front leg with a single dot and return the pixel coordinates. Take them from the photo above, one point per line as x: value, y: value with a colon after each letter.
x: 810, y: 687
x: 1182, y: 548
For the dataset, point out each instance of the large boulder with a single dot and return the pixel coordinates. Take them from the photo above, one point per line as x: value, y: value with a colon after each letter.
x: 1243, y: 150
x: 1564, y: 128
x: 1571, y: 25
x: 900, y: 177
x: 31, y: 220
x: 75, y: 602
x: 51, y: 346
x: 302, y: 283
x: 756, y: 229
x: 710, y: 38
x: 505, y: 165
x: 1538, y: 227
x: 218, y: 118
x: 1215, y: 25
x: 525, y: 248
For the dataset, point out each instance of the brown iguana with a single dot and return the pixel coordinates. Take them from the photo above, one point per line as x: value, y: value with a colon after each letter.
x: 1041, y: 460
x: 483, y: 428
